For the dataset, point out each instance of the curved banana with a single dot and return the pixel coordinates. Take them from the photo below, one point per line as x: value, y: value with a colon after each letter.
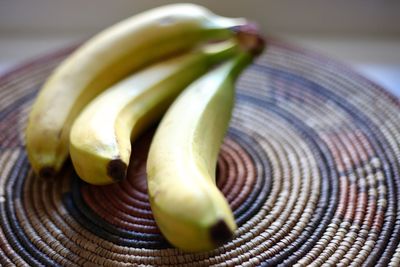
x: 188, y: 207
x: 100, y: 139
x: 106, y: 59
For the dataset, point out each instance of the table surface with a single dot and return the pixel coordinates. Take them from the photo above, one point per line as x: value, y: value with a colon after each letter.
x: 377, y: 59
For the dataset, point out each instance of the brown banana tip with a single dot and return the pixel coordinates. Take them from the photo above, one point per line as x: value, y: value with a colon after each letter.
x: 220, y: 233
x: 250, y: 38
x: 116, y: 169
x: 47, y: 173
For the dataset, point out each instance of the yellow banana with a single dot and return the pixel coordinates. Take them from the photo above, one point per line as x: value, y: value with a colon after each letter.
x: 188, y: 207
x: 106, y: 59
x: 100, y: 139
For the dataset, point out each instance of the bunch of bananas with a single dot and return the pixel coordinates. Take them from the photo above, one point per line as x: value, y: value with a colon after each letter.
x: 122, y: 81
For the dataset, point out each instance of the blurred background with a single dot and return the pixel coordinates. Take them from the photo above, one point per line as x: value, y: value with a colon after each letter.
x: 364, y: 34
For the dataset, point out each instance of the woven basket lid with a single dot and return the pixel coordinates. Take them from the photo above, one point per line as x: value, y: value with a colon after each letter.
x: 310, y: 167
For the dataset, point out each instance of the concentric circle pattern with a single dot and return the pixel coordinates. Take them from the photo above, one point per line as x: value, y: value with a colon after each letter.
x: 310, y: 167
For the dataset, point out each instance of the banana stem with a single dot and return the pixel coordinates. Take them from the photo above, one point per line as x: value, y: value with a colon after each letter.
x: 250, y: 38
x: 239, y: 63
x: 222, y: 51
x: 247, y: 42
x: 250, y: 44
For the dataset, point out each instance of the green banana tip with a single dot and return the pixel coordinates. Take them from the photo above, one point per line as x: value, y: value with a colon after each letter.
x: 220, y: 233
x: 116, y: 169
x: 250, y: 38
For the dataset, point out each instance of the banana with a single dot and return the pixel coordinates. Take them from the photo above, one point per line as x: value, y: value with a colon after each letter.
x: 100, y: 139
x: 188, y: 207
x: 104, y: 60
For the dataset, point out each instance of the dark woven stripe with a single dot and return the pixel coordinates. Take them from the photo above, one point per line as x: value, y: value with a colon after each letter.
x: 371, y: 129
x: 97, y: 225
x: 391, y: 231
x: 261, y: 189
x: 13, y: 230
x: 325, y: 210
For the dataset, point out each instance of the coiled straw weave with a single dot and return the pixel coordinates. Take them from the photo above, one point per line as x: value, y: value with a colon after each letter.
x: 310, y: 167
